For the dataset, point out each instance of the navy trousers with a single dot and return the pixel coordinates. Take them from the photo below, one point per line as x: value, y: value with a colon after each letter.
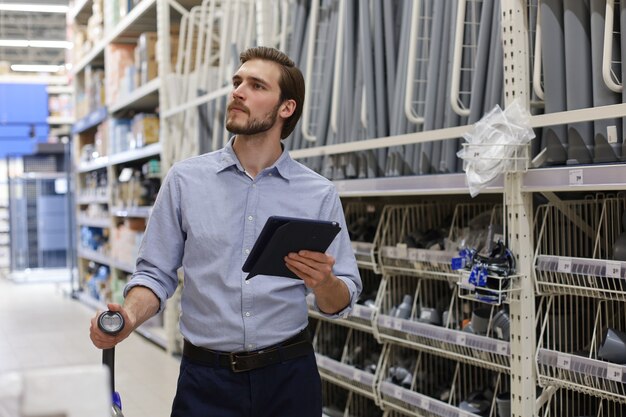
x: 288, y: 389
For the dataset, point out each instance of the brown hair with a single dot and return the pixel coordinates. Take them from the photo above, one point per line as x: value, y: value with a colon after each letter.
x: 291, y: 81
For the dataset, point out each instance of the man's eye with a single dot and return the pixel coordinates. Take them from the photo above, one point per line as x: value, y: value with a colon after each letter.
x: 236, y: 83
x: 258, y: 86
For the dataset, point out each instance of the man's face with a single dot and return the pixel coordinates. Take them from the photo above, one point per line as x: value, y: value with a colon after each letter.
x: 254, y: 103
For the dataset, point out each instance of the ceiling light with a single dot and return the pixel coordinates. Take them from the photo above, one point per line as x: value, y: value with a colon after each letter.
x: 42, y: 8
x: 17, y: 43
x: 35, y: 68
x: 51, y: 44
x: 23, y: 43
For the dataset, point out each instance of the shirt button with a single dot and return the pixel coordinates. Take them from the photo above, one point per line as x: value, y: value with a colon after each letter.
x: 270, y: 174
x: 247, y: 251
x: 247, y: 282
x: 253, y: 185
x: 250, y: 218
x: 247, y: 314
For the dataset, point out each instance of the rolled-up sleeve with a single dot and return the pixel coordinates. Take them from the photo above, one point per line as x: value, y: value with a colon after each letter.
x: 161, y: 250
x: 345, y: 267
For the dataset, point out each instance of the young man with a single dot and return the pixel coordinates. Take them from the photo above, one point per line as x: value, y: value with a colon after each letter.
x: 247, y: 351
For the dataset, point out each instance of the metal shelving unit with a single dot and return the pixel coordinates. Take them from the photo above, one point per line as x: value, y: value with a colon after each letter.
x: 556, y: 273
x: 100, y: 206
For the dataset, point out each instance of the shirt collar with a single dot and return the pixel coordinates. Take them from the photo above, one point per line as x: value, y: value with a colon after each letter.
x: 228, y: 158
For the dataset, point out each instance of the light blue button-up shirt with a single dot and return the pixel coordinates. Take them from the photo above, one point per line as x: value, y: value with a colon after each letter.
x: 206, y: 219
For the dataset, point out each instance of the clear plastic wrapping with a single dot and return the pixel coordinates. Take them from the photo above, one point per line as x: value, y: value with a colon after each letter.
x: 496, y: 144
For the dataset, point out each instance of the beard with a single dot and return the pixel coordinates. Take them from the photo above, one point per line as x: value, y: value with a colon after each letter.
x: 253, y: 126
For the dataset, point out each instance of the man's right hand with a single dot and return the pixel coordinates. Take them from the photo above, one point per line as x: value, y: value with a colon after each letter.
x: 105, y: 341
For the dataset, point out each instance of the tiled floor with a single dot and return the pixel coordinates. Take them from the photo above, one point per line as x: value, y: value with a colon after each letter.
x: 41, y: 327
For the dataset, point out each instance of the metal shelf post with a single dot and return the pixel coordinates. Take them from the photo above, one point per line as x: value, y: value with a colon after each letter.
x: 514, y: 26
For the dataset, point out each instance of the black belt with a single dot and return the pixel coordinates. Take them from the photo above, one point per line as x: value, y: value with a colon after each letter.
x: 297, y: 346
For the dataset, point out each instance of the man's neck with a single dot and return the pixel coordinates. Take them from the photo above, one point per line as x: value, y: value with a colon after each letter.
x: 256, y: 152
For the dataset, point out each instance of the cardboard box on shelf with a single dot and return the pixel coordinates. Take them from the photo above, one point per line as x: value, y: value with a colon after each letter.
x: 145, y: 129
x: 136, y: 224
x: 137, y: 78
x: 146, y: 44
x: 118, y: 135
x: 111, y: 14
x: 145, y: 57
x: 149, y: 71
x: 117, y: 57
x: 125, y: 240
x: 94, y: 88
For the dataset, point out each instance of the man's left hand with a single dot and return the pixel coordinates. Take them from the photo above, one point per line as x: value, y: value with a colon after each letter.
x: 314, y: 268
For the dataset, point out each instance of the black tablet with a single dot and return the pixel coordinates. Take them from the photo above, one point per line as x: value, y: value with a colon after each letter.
x: 283, y: 235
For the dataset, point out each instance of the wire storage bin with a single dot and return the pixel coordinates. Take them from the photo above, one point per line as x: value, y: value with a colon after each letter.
x: 340, y: 402
x: 413, y: 240
x: 396, y: 305
x: 581, y: 248
x: 418, y: 383
x: 361, y: 406
x: 363, y: 221
x: 334, y: 398
x: 356, y: 369
x: 427, y: 315
x: 571, y: 403
x: 329, y: 340
x: 347, y: 357
x: 587, y: 357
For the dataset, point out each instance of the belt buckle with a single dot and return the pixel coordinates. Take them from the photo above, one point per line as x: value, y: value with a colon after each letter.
x: 233, y: 363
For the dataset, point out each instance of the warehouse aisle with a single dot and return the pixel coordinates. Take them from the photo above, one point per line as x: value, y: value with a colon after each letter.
x: 40, y: 327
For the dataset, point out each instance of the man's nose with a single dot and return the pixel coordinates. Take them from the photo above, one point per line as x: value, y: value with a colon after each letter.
x: 238, y: 92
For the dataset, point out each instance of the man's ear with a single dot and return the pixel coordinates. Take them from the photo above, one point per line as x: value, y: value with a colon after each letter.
x: 287, y: 108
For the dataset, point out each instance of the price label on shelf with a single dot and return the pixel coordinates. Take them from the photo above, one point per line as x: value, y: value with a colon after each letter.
x: 614, y: 372
x: 564, y: 361
x: 402, y: 251
x: 397, y: 324
x: 321, y: 360
x: 613, y: 269
x: 564, y: 265
x: 397, y: 392
x: 424, y: 403
x: 413, y: 254
x: 502, y: 348
x: 576, y: 177
x: 422, y: 256
x: 461, y: 339
x: 611, y: 134
x: 356, y: 376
